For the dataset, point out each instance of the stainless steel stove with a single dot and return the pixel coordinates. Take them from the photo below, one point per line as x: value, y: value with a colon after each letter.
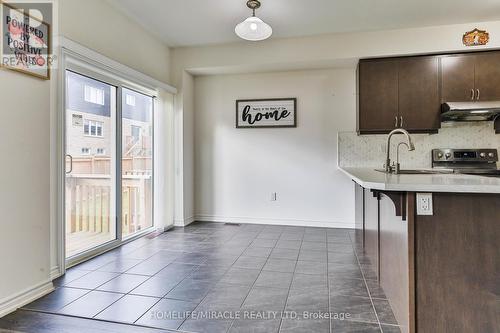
x: 481, y: 162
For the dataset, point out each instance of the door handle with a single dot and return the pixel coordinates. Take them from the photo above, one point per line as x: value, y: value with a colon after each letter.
x: 70, y: 163
x: 478, y: 94
x: 472, y: 94
x: 401, y: 121
x: 396, y: 122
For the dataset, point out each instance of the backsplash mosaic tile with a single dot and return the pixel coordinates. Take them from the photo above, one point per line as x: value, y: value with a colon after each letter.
x: 369, y: 150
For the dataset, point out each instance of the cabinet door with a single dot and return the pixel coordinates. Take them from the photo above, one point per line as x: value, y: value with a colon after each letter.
x: 419, y: 104
x: 487, y: 78
x: 378, y: 95
x: 497, y: 126
x: 457, y: 81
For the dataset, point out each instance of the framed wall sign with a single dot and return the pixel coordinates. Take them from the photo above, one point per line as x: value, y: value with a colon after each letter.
x: 270, y: 112
x: 25, y: 44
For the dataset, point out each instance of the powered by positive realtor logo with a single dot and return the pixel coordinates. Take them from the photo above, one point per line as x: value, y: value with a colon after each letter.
x: 26, y: 37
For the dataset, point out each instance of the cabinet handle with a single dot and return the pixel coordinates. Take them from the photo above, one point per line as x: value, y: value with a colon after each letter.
x: 401, y: 122
x: 472, y: 94
x: 396, y: 123
x: 478, y: 94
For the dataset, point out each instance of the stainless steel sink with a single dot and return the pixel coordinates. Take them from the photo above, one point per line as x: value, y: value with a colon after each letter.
x: 420, y: 171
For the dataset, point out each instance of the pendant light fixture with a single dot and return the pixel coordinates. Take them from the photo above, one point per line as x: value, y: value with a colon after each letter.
x: 253, y: 28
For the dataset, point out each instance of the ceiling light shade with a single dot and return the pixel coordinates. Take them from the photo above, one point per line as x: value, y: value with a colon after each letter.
x: 253, y: 28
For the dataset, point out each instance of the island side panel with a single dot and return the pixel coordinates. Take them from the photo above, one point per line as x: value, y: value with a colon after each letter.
x: 458, y: 264
x: 372, y: 229
x: 395, y: 256
x: 359, y: 219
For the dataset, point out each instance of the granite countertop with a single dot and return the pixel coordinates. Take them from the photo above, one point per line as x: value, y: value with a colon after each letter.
x: 371, y: 179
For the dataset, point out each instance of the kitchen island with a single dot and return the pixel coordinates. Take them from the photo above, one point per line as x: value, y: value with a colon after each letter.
x: 440, y: 272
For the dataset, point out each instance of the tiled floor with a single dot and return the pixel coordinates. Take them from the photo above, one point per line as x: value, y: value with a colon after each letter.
x: 272, y: 277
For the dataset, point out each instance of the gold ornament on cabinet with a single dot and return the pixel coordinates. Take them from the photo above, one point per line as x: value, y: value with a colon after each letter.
x: 476, y: 37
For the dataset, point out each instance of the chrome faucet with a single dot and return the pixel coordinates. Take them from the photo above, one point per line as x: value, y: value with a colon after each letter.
x: 409, y: 143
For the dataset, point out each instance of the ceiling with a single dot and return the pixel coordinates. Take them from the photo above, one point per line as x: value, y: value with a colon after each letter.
x: 200, y: 22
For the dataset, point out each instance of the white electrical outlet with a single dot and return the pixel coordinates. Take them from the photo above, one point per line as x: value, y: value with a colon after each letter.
x: 424, y: 204
x: 274, y: 196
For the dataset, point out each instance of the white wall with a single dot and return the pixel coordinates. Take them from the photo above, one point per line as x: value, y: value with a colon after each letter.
x: 237, y: 169
x: 28, y: 127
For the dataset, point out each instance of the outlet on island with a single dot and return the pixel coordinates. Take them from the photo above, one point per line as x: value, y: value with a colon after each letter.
x: 424, y: 204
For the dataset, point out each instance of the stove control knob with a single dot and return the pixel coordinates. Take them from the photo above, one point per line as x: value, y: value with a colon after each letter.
x: 448, y: 155
x: 482, y: 155
x: 440, y: 155
x: 491, y: 155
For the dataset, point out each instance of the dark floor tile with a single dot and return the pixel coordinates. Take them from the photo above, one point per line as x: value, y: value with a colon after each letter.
x: 306, y: 281
x: 348, y: 287
x: 56, y: 299
x: 156, y: 286
x: 120, y: 265
x: 300, y: 325
x: 265, y: 299
x: 340, y: 248
x: 250, y: 262
x: 311, y: 267
x: 190, y: 290
x: 384, y: 312
x: 226, y: 294
x: 95, y: 263
x: 342, y: 258
x: 148, y: 267
x: 346, y: 326
x: 255, y: 326
x: 358, y: 308
x: 167, y: 313
x: 209, y: 272
x: 289, y: 244
x: 30, y: 321
x: 71, y: 275
x: 142, y: 253
x: 206, y: 325
x: 127, y: 309
x: 90, y: 304
x: 345, y: 239
x: 280, y: 265
x: 92, y: 280
x: 310, y: 255
x: 279, y: 253
x: 269, y: 235
x: 177, y: 271
x: 375, y: 289
x: 344, y: 271
x: 255, y: 251
x: 191, y: 258
x: 287, y: 236
x: 264, y: 242
x: 313, y: 246
x: 240, y: 276
x: 309, y: 300
x: 317, y: 238
x: 274, y: 279
x: 123, y: 283
x: 221, y: 259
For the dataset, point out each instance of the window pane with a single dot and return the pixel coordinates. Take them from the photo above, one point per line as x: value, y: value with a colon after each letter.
x: 137, y: 162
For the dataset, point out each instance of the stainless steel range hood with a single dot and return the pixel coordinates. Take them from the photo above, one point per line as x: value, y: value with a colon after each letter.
x: 470, y: 111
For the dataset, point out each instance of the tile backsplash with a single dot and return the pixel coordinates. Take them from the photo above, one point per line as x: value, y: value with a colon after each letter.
x: 369, y: 150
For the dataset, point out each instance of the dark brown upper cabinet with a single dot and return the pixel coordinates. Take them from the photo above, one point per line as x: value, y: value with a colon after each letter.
x: 399, y: 92
x: 470, y: 77
x: 378, y: 95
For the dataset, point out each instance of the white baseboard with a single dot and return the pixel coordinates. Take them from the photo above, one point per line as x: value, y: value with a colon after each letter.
x: 12, y: 303
x: 274, y: 221
x: 55, y: 272
x: 184, y: 222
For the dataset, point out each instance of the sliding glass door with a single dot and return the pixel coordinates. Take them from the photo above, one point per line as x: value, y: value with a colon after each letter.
x: 108, y: 192
x: 137, y: 162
